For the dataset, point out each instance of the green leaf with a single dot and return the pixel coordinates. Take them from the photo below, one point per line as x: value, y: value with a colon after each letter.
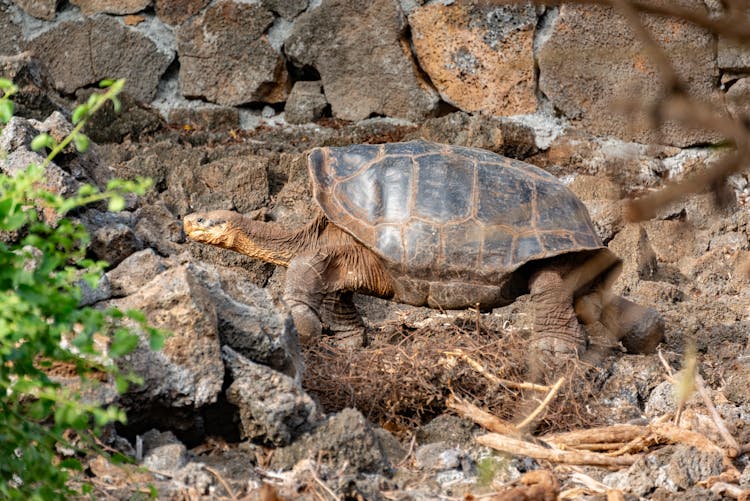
x: 6, y: 111
x: 71, y: 464
x: 156, y: 339
x: 121, y: 384
x: 81, y: 142
x: 123, y: 343
x: 80, y: 113
x: 107, y: 82
x: 116, y: 104
x: 116, y: 203
x: 6, y: 84
x: 42, y: 141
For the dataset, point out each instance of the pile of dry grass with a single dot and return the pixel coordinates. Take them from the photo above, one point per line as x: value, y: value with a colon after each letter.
x: 403, y: 378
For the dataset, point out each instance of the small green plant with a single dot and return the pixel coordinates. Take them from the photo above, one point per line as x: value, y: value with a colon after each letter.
x: 42, y: 328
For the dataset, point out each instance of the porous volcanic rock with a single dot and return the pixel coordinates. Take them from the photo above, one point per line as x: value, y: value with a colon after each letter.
x: 178, y: 11
x: 733, y: 55
x: 188, y: 371
x: 225, y: 58
x: 738, y: 99
x: 34, y: 98
x: 42, y: 9
x: 288, y: 9
x: 11, y: 41
x: 480, y: 57
x: 135, y: 271
x: 306, y: 103
x: 346, y: 440
x: 359, y: 49
x: 120, y: 7
x: 594, y: 69
x: 104, y: 47
x: 273, y: 408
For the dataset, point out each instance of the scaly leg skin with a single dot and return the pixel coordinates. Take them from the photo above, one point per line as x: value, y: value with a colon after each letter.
x: 341, y: 317
x: 558, y: 338
x: 304, y: 294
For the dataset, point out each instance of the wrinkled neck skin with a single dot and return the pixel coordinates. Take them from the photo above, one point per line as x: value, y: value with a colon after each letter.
x: 270, y: 242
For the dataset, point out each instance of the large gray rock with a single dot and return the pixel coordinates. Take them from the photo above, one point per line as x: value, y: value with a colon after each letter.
x: 251, y: 323
x: 12, y: 39
x: 593, y: 68
x: 188, y: 371
x: 105, y: 48
x: 346, y: 440
x: 673, y: 468
x: 362, y: 56
x: 478, y: 56
x: 273, y: 407
x: 225, y: 58
x: 135, y: 271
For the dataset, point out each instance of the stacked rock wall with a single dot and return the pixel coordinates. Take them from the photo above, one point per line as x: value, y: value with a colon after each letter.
x: 407, y: 59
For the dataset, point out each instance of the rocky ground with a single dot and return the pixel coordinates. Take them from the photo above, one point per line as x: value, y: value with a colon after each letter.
x: 234, y: 408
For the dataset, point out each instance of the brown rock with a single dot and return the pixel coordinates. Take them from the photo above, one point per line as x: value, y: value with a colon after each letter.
x: 225, y: 58
x: 593, y: 68
x: 178, y: 11
x: 306, y: 103
x: 42, y: 9
x: 733, y: 55
x: 120, y: 7
x: 478, y: 56
x: 595, y: 188
x: 671, y: 240
x: 639, y: 260
x: 738, y: 99
x: 359, y: 50
x: 104, y: 48
x: 208, y: 117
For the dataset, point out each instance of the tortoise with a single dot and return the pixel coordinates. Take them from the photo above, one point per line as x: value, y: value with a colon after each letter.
x: 443, y: 226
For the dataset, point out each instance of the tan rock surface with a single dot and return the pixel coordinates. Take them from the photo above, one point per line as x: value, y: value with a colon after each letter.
x: 480, y: 58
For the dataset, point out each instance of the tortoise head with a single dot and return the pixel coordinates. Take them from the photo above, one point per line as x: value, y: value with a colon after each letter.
x: 218, y: 227
x: 234, y: 231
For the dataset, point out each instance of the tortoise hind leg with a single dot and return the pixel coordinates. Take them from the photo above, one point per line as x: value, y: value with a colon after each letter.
x: 557, y: 334
x: 341, y: 317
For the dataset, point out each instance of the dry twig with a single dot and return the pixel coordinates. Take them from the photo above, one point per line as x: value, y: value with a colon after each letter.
x: 521, y: 447
x: 535, y: 414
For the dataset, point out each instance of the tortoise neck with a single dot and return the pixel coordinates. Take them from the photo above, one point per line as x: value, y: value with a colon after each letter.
x: 271, y: 243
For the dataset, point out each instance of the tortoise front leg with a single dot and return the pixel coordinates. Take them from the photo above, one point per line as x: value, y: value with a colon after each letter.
x: 305, y: 289
x: 341, y: 317
x: 557, y: 334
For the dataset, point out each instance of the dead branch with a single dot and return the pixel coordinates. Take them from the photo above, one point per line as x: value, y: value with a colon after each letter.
x: 671, y: 433
x: 618, y: 433
x: 523, y: 448
x: 720, y: 425
x: 532, y: 417
x: 494, y: 379
x: 482, y: 418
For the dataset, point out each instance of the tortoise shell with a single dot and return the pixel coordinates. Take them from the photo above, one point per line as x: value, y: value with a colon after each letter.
x: 439, y: 212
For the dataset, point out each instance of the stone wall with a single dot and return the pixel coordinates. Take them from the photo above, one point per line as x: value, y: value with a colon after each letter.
x: 407, y: 59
